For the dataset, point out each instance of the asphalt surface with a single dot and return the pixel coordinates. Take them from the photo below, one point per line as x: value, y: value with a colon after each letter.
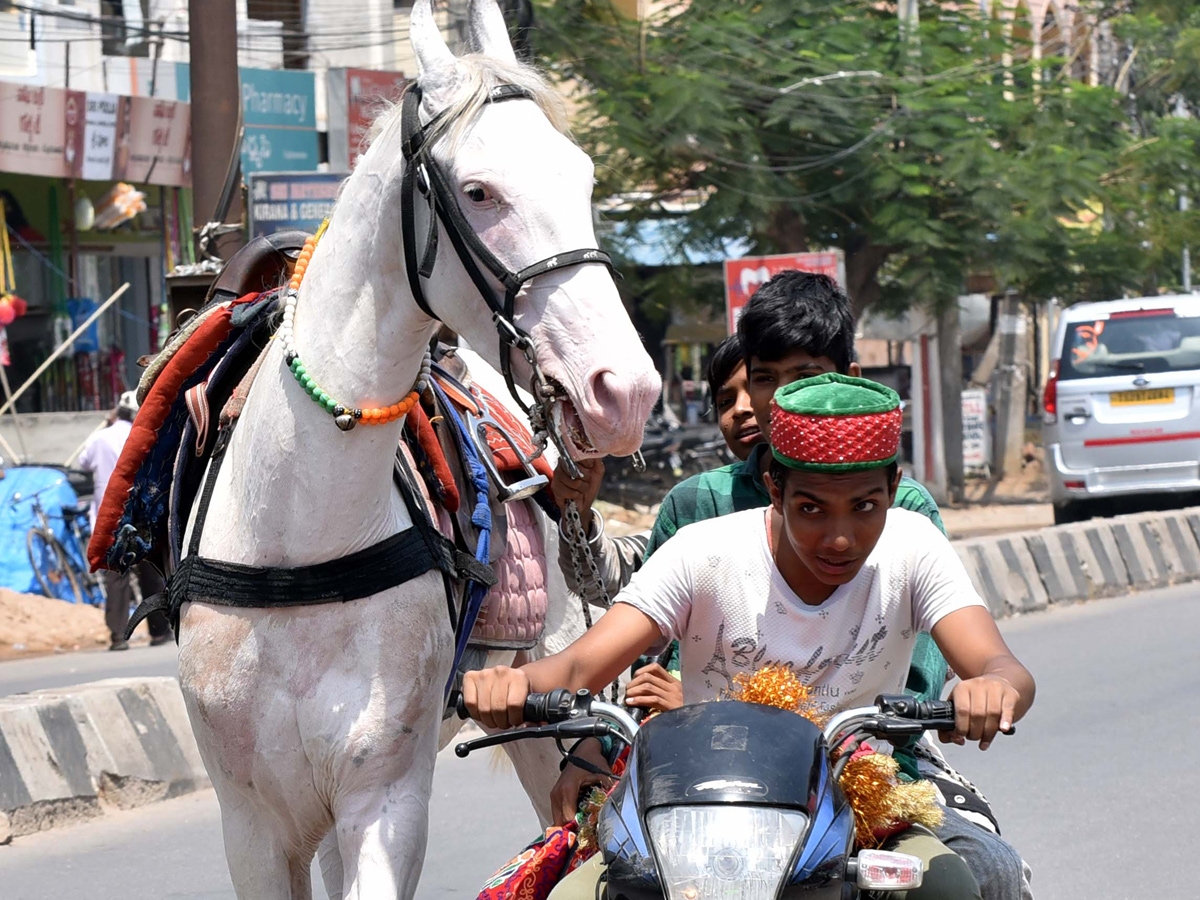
x: 1097, y: 788
x: 63, y: 669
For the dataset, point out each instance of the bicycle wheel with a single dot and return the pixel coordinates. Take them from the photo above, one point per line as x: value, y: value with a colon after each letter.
x: 51, y: 566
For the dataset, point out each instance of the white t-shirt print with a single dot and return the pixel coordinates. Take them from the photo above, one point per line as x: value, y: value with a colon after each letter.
x: 715, y: 588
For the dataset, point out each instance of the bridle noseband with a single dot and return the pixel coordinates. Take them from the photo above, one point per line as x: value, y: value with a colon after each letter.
x: 423, y: 175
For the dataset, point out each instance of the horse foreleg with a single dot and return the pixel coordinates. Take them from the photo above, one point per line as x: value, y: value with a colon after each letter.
x: 260, y: 864
x: 381, y: 838
x: 329, y: 858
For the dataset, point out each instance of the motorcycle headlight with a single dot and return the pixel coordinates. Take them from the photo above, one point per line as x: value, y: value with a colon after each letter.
x: 724, y: 852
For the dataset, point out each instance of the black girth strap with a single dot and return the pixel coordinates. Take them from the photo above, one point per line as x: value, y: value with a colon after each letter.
x: 393, y: 561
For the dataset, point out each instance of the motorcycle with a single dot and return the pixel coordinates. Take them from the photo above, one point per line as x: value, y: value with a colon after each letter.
x: 731, y: 799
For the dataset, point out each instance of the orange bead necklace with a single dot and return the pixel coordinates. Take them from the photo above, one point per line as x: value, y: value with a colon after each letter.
x: 345, y: 417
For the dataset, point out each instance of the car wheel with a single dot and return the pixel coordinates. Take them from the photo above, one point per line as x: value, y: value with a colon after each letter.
x: 1070, y: 512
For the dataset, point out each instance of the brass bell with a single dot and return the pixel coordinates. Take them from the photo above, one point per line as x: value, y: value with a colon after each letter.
x: 345, y: 421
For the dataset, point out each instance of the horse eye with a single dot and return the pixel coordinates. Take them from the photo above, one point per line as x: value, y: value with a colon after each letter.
x: 477, y: 193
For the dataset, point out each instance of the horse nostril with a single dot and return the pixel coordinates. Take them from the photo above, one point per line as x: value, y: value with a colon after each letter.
x: 605, y: 388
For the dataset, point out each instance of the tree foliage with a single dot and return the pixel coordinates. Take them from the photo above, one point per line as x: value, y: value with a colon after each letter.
x: 947, y: 150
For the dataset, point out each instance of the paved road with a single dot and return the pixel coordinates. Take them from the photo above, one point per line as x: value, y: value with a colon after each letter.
x: 1097, y: 788
x: 63, y: 669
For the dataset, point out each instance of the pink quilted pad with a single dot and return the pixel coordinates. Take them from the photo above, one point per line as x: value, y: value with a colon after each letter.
x: 514, y: 611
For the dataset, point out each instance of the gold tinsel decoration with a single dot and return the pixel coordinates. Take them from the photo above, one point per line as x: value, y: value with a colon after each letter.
x: 589, y: 816
x: 776, y: 686
x: 879, y: 800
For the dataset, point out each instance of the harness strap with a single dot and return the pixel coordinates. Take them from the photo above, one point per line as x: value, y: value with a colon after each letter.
x: 386, y: 564
x: 197, y: 406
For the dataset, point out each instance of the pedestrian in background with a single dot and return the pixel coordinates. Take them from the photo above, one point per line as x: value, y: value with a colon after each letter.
x: 99, y: 457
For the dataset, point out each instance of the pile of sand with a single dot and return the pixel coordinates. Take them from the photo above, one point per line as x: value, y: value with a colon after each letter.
x: 31, y: 624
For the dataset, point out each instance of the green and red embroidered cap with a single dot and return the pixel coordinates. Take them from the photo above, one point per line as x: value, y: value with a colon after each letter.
x: 835, y: 423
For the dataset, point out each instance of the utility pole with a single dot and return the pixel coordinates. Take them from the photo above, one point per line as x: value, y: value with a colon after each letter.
x: 1181, y: 112
x: 949, y: 333
x: 1011, y: 386
x: 216, y: 102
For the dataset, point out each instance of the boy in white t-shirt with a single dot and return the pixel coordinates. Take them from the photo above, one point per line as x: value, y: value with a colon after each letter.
x: 828, y: 580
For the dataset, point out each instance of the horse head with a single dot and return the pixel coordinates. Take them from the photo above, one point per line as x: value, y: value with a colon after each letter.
x: 524, y: 188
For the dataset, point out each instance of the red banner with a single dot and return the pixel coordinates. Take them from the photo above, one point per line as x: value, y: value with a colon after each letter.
x: 367, y: 94
x: 744, y: 276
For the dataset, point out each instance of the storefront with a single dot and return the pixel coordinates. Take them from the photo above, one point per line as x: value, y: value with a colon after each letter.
x: 94, y: 187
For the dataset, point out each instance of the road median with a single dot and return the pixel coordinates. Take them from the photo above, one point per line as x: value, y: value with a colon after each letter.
x: 70, y: 753
x: 1023, y: 572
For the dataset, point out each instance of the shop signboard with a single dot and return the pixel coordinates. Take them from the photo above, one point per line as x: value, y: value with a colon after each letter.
x: 355, y: 98
x: 95, y: 136
x: 279, y: 112
x: 977, y: 443
x: 282, y: 201
x: 99, y: 136
x: 153, y: 142
x: 744, y: 276
x: 33, y: 130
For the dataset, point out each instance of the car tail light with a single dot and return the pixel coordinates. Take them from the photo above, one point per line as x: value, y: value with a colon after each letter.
x: 1050, y: 395
x: 1075, y: 485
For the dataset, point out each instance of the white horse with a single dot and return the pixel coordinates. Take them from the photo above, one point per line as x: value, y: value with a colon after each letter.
x: 322, y: 719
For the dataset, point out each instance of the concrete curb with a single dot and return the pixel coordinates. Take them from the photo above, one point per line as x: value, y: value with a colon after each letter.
x: 68, y: 754
x: 1016, y: 573
x: 1005, y: 574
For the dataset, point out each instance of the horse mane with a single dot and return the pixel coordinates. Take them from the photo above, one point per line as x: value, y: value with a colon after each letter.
x: 472, y: 79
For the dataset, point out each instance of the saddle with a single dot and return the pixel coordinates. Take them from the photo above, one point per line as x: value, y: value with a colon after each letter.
x: 513, y: 613
x: 157, y: 476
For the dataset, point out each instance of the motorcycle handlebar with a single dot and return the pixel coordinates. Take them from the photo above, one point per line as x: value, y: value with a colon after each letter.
x: 551, y: 707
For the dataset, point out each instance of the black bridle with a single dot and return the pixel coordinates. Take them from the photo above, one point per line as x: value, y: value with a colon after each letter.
x: 423, y: 175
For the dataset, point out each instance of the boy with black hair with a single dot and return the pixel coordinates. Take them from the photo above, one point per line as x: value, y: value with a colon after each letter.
x: 828, y: 580
x: 796, y: 325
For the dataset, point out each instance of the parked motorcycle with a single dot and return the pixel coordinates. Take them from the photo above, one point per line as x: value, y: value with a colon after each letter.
x: 732, y: 799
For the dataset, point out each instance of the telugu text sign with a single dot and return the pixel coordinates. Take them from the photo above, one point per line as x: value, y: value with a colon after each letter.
x: 744, y: 276
x: 33, y: 130
x: 99, y: 136
x: 153, y: 142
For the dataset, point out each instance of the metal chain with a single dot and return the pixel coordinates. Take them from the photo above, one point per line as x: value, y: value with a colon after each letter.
x: 541, y: 421
x: 581, y: 556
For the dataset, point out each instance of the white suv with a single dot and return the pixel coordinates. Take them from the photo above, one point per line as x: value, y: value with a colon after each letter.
x: 1122, y: 407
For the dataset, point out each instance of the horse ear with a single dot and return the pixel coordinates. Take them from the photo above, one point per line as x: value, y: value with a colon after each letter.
x: 427, y: 42
x: 489, y: 32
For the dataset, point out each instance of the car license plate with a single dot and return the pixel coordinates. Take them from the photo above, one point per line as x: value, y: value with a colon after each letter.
x: 1142, y: 398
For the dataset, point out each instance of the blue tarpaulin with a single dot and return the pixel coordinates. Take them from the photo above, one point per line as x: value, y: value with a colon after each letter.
x: 17, y: 517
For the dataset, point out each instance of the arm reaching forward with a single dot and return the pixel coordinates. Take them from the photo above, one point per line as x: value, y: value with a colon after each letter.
x: 496, y: 697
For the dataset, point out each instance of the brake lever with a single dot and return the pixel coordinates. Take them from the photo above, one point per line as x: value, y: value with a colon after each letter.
x: 576, y: 730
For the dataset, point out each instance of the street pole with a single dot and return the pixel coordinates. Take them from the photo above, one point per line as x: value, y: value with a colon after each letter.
x: 1187, y: 253
x: 1181, y: 112
x: 1010, y: 387
x: 216, y: 101
x: 950, y: 356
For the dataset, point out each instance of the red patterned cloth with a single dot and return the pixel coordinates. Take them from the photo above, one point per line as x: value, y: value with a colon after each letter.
x: 155, y: 408
x: 533, y: 873
x: 836, y: 440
